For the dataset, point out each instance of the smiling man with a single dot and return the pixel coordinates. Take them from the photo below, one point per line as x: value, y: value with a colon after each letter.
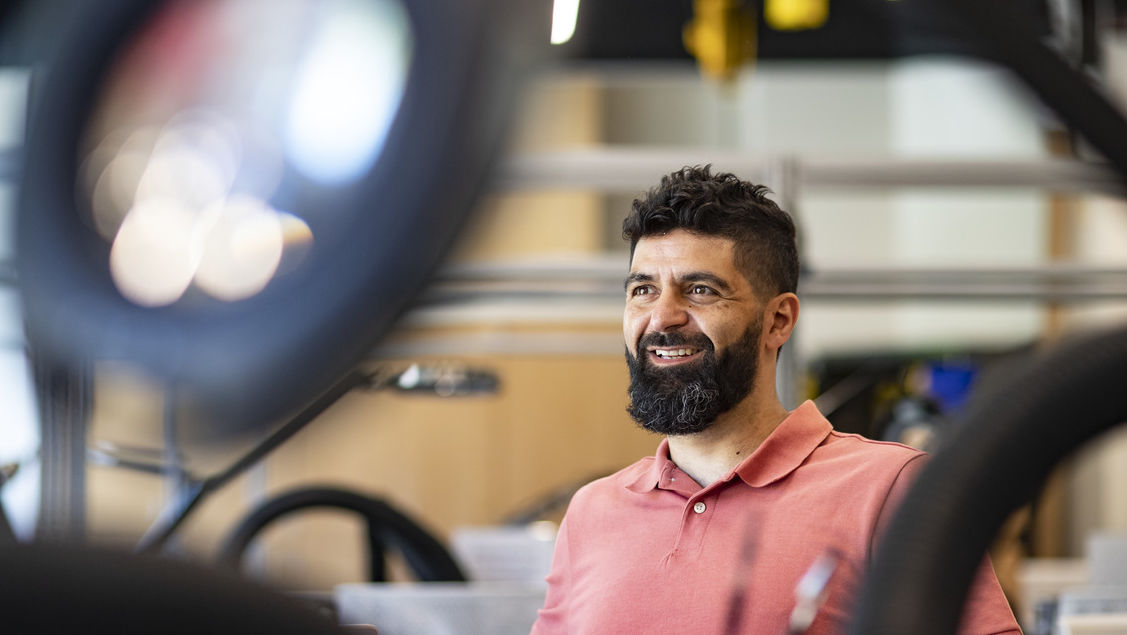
x: 748, y: 518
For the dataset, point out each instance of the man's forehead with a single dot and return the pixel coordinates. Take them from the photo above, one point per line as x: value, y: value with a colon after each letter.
x: 681, y: 248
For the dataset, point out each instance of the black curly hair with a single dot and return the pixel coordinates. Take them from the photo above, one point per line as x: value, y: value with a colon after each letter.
x: 696, y: 200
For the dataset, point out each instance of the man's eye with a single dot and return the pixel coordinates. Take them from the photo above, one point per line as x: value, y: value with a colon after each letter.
x: 641, y: 290
x: 700, y: 289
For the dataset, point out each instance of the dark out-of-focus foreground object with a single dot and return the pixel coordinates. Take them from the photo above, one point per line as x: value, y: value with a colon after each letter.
x: 242, y: 196
x: 1016, y: 431
x: 56, y: 588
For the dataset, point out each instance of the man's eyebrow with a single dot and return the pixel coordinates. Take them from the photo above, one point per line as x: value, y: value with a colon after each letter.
x: 710, y: 278
x: 691, y: 277
x: 637, y: 277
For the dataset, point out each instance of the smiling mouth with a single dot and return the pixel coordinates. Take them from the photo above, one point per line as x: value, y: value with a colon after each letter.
x: 674, y: 354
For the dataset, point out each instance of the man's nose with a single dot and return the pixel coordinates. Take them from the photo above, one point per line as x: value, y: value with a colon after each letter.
x: 670, y: 312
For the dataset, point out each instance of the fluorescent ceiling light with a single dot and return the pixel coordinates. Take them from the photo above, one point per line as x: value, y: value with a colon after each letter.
x: 564, y: 14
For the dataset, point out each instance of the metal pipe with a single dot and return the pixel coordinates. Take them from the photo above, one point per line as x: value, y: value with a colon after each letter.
x: 602, y: 281
x: 623, y: 169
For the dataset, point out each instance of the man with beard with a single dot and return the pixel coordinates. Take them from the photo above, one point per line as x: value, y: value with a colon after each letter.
x: 749, y: 518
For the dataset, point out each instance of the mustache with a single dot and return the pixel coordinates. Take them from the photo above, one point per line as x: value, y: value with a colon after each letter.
x: 698, y: 340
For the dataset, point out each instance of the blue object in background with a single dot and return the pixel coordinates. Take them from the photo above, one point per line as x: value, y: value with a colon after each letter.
x: 951, y: 383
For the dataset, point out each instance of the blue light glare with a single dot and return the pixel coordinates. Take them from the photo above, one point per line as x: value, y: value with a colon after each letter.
x: 347, y: 89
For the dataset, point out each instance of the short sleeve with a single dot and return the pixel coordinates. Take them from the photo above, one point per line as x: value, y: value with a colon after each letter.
x: 552, y: 618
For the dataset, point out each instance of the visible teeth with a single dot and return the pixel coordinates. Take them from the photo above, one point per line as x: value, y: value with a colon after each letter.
x: 674, y: 352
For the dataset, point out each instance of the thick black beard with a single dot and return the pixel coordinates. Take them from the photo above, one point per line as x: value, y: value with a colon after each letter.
x: 687, y: 399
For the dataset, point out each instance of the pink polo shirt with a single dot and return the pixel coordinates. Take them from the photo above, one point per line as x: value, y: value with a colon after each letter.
x: 648, y: 550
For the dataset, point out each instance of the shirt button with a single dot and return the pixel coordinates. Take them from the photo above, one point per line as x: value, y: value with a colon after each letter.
x: 699, y: 507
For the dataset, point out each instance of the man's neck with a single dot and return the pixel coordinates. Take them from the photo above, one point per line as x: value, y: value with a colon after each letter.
x: 711, y: 455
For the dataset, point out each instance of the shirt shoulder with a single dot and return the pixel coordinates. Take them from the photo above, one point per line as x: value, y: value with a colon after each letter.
x: 869, y: 474
x: 854, y: 446
x: 614, y: 483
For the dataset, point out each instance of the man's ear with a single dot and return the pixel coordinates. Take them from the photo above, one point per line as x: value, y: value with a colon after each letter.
x: 780, y: 317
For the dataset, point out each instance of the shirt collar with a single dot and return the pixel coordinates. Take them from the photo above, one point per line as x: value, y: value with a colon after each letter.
x: 787, y: 447
x: 781, y: 453
x: 650, y: 476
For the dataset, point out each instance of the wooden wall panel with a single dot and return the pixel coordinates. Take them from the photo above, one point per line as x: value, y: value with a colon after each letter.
x: 448, y: 462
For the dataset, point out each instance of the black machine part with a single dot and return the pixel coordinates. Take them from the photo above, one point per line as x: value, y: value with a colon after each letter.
x: 1018, y: 430
x: 387, y: 527
x: 391, y: 227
